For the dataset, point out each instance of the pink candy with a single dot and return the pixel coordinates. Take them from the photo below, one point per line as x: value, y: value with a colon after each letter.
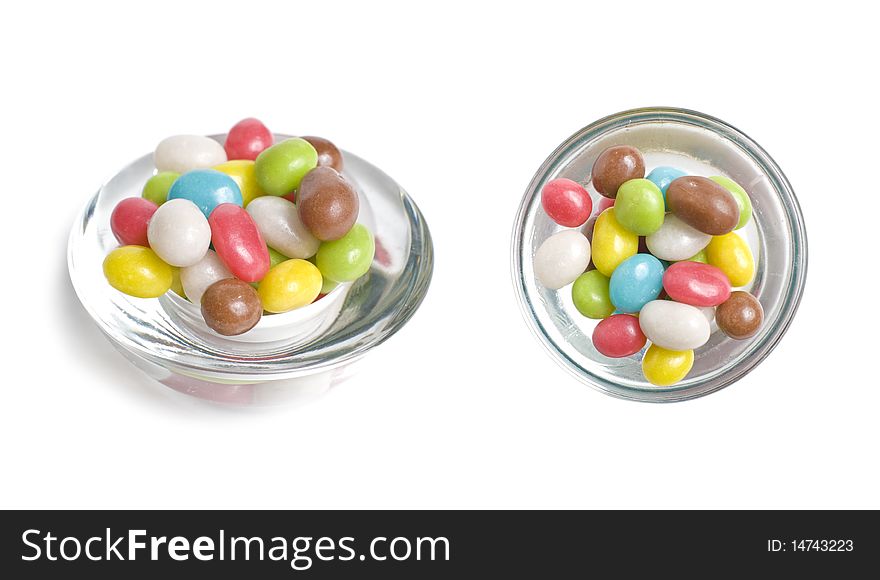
x: 130, y: 219
x: 696, y: 284
x: 247, y: 139
x: 566, y: 202
x: 619, y: 336
x: 239, y: 243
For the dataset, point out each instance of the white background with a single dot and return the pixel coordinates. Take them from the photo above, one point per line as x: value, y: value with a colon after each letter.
x: 460, y: 103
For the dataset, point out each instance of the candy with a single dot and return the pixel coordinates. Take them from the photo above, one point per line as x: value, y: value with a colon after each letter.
x: 590, y: 295
x: 732, y: 255
x: 612, y: 243
x: 179, y: 232
x: 207, y: 188
x: 700, y: 257
x: 176, y: 284
x: 279, y: 223
x: 245, y: 177
x: 560, y: 259
x: 614, y: 166
x: 740, y: 316
x: 156, y: 188
x: 619, y: 336
x: 675, y: 240
x: 281, y: 167
x: 739, y: 194
x: 639, y: 207
x: 182, y: 153
x: 349, y: 257
x: 566, y: 202
x: 238, y: 242
x: 138, y: 271
x: 673, y: 325
x: 247, y: 139
x: 635, y: 282
x: 328, y: 206
x: 195, y: 279
x: 662, y: 176
x: 696, y: 284
x: 129, y: 221
x: 275, y: 257
x: 663, y: 367
x: 703, y: 204
x: 291, y: 284
x: 328, y: 154
x: 231, y: 307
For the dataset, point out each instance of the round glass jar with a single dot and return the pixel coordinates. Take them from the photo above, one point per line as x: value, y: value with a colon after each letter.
x: 304, y: 349
x: 700, y: 145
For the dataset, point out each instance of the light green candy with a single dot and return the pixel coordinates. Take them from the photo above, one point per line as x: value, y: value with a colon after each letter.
x: 590, y: 295
x: 280, y: 168
x: 639, y: 207
x: 741, y: 197
x: 275, y: 258
x: 347, y: 258
x: 700, y: 256
x: 156, y: 188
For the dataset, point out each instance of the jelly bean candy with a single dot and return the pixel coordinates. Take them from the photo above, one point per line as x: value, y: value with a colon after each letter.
x: 179, y: 232
x: 561, y: 258
x: 328, y: 286
x: 673, y: 325
x: 696, y: 284
x: 612, y: 243
x: 741, y: 197
x: 603, y: 204
x: 327, y: 204
x: 635, y: 282
x: 663, y: 176
x: 130, y: 219
x: 231, y: 307
x: 740, y: 316
x: 700, y: 257
x: 182, y: 153
x: 157, y: 187
x: 615, y: 166
x: 328, y: 154
x: 349, y: 257
x: 176, y: 284
x: 275, y: 257
x: 675, y: 240
x: 639, y: 207
x: 703, y: 204
x: 732, y: 255
x: 281, y: 227
x: 207, y: 188
x: 196, y: 278
x: 247, y: 139
x: 289, y: 285
x: 663, y: 367
x: 619, y: 336
x: 244, y: 175
x: 238, y: 242
x: 591, y: 296
x: 138, y: 271
x: 281, y: 167
x: 566, y: 202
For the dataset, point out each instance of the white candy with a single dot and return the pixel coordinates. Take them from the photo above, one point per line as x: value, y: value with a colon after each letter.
x: 199, y: 276
x: 179, y: 232
x: 675, y: 240
x: 562, y: 258
x: 182, y: 153
x: 279, y: 223
x: 673, y: 325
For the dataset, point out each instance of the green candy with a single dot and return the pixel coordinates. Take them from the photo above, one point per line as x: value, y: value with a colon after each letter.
x: 700, y: 257
x: 276, y: 257
x: 328, y: 286
x: 741, y: 197
x: 590, y: 295
x: 280, y: 168
x: 347, y: 258
x: 639, y: 207
x: 156, y: 188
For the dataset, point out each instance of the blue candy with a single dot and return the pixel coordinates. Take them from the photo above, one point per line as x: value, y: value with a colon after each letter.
x: 663, y: 176
x: 207, y: 188
x: 635, y: 282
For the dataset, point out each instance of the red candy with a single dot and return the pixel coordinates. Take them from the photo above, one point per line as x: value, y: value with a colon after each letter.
x: 566, y: 202
x: 696, y: 284
x: 619, y: 336
x: 238, y: 242
x: 604, y: 203
x: 130, y: 219
x: 247, y: 139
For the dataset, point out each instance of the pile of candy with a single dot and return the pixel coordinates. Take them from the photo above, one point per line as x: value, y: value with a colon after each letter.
x: 241, y: 228
x: 659, y: 262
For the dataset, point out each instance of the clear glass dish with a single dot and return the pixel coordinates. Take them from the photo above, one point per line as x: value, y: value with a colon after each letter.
x: 167, y: 338
x: 701, y: 145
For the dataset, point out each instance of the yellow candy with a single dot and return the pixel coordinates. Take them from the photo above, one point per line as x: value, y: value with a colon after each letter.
x: 289, y: 285
x: 242, y: 172
x: 664, y: 367
x: 612, y: 243
x: 732, y: 255
x: 138, y: 271
x: 176, y: 284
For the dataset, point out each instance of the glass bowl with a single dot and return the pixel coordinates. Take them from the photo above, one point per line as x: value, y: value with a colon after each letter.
x: 168, y: 339
x: 700, y: 145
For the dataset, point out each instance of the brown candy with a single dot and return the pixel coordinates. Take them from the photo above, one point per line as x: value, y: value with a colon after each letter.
x: 740, y: 316
x: 703, y: 204
x: 231, y: 307
x: 328, y: 154
x: 614, y: 166
x: 328, y: 205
